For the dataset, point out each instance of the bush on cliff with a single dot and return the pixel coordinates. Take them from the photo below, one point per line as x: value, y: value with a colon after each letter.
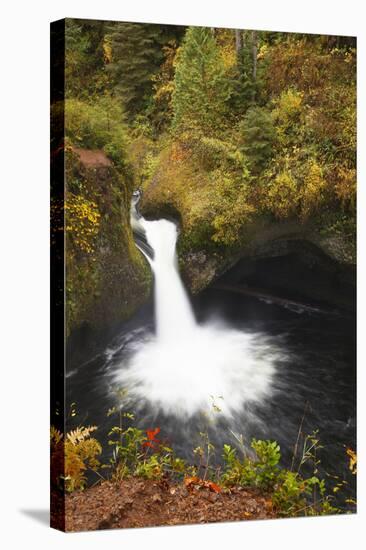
x: 98, y: 125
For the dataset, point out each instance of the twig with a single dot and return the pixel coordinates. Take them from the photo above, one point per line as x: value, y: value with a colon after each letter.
x: 311, y: 505
x: 298, y: 437
x: 98, y: 474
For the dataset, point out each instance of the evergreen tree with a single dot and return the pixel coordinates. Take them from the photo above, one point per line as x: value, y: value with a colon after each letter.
x: 84, y: 58
x: 160, y: 111
x: 258, y: 136
x: 201, y: 87
x: 243, y: 76
x: 136, y: 52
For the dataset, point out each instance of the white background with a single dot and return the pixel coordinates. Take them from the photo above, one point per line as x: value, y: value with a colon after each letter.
x: 24, y: 254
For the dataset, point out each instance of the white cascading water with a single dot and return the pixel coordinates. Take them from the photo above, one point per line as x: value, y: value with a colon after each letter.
x: 174, y: 315
x: 186, y: 368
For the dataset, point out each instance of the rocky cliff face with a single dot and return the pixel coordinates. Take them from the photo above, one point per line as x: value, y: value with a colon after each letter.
x: 107, y: 277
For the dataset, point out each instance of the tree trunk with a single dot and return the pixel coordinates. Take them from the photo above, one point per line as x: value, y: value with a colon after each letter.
x: 238, y: 41
x: 254, y: 49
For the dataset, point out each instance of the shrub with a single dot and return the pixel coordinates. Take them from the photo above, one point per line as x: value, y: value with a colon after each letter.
x: 288, y: 107
x: 282, y: 195
x: 290, y: 492
x: 346, y: 187
x: 99, y: 125
x: 261, y: 471
x: 311, y: 195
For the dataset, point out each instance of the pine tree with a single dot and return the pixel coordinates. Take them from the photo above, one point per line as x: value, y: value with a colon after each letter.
x: 84, y: 63
x: 201, y: 87
x: 244, y: 74
x: 136, y: 54
x: 258, y: 137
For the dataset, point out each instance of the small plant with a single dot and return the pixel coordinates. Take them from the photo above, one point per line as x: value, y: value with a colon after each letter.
x: 73, y: 456
x: 260, y: 472
x: 290, y: 492
x: 205, y: 451
x: 140, y: 453
x: 266, y: 467
x: 126, y: 443
x: 127, y: 450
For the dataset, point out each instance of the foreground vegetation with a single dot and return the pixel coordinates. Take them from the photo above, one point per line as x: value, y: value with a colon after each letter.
x: 136, y: 453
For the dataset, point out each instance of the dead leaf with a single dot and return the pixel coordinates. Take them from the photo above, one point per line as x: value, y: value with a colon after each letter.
x: 352, y: 460
x: 213, y: 487
x: 190, y: 482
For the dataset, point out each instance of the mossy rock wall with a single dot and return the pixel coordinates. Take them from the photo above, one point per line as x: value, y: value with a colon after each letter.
x: 107, y: 277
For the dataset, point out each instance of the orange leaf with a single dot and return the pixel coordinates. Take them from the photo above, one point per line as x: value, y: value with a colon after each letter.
x: 152, y: 433
x: 188, y: 481
x: 213, y: 487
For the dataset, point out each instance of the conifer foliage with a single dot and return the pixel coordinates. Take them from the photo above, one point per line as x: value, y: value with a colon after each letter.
x: 134, y: 55
x: 201, y: 88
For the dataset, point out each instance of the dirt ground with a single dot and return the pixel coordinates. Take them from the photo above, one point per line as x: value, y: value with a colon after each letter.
x: 92, y: 158
x: 135, y: 502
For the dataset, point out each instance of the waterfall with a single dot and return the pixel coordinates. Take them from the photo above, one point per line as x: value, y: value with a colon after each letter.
x: 174, y: 315
x: 187, y: 368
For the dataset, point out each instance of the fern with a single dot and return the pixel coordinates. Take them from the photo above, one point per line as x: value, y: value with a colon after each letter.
x: 80, y: 434
x: 72, y: 456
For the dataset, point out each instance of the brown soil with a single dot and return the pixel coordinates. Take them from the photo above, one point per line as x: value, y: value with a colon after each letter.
x: 135, y: 502
x: 92, y: 158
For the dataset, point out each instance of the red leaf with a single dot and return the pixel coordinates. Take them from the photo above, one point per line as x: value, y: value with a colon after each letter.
x: 152, y: 433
